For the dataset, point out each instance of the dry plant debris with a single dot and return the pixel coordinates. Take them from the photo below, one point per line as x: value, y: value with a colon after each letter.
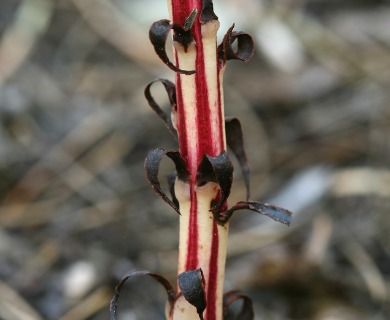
x: 75, y: 129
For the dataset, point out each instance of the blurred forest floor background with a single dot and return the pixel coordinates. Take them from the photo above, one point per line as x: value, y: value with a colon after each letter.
x: 76, y: 212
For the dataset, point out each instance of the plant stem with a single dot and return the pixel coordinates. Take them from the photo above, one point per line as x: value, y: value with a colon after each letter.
x: 204, y: 171
x: 200, y: 126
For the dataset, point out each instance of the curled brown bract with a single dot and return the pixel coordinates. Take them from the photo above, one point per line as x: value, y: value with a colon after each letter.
x: 158, y: 34
x: 245, y: 47
x: 171, y: 91
x: 152, y: 165
x: 217, y: 169
x: 192, y: 286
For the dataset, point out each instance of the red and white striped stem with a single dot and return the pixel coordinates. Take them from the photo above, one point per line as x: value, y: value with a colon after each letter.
x: 200, y: 127
x: 204, y: 171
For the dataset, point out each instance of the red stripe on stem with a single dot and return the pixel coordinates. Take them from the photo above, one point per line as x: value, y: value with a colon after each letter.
x: 213, y: 276
x: 193, y: 235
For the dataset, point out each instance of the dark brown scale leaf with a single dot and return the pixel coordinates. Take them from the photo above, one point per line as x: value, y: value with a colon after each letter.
x: 184, y: 37
x: 152, y: 164
x: 276, y: 213
x: 190, y: 20
x: 246, y: 312
x: 132, y: 274
x: 158, y: 34
x: 245, y: 46
x: 171, y: 91
x: 207, y: 14
x: 192, y: 286
x: 171, y: 178
x: 216, y: 169
x: 181, y: 168
x: 235, y: 141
